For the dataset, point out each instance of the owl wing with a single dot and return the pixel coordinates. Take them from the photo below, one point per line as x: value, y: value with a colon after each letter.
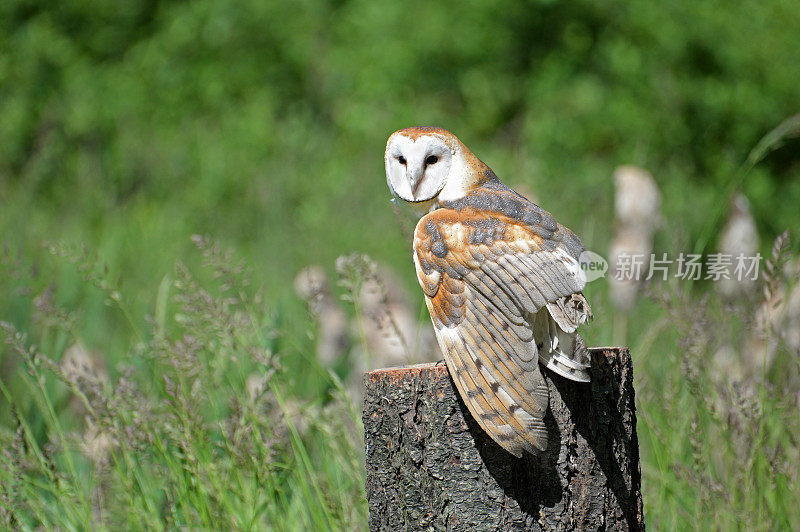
x: 496, y: 287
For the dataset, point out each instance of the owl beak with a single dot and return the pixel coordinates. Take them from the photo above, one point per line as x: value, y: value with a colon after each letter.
x: 415, y: 178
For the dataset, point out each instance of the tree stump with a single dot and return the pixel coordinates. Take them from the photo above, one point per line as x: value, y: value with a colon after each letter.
x: 431, y: 467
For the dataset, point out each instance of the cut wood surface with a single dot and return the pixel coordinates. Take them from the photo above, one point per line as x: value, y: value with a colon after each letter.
x: 431, y: 467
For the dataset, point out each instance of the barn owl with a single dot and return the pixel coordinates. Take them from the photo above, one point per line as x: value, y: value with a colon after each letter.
x: 502, y: 282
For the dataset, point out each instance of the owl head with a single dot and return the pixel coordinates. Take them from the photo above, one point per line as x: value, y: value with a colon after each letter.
x: 430, y: 163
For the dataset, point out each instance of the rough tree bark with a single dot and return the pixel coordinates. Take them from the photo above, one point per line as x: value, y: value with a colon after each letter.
x: 431, y: 467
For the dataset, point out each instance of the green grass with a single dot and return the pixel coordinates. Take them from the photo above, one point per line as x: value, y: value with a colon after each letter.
x: 198, y: 428
x: 207, y: 422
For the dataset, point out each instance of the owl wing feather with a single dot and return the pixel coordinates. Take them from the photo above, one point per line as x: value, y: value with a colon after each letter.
x: 496, y: 287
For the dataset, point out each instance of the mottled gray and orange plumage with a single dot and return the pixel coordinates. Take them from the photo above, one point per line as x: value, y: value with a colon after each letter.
x: 502, y: 282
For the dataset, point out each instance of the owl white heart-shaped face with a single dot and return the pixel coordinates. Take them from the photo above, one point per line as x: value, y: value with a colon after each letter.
x: 417, y: 168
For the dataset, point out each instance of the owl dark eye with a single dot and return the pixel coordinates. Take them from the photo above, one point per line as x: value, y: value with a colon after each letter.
x: 401, y: 159
x: 431, y: 159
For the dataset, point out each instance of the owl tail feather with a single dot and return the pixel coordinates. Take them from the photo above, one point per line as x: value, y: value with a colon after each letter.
x: 575, y: 365
x: 562, y: 352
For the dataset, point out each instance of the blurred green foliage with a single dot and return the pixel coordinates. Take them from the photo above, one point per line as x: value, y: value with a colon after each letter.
x: 133, y: 125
